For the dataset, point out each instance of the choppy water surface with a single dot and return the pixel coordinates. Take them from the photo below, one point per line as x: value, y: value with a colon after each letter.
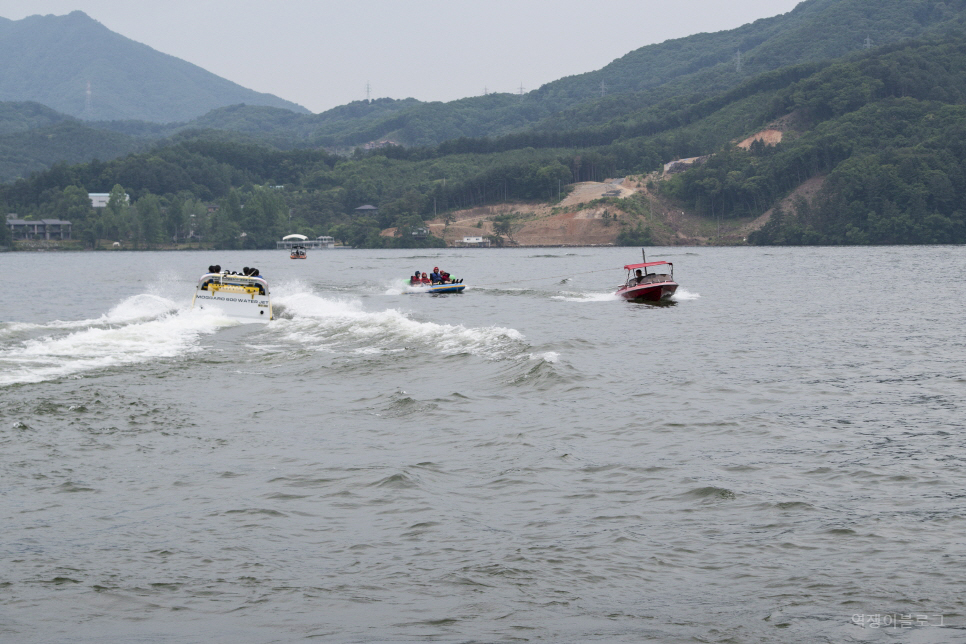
x: 779, y: 451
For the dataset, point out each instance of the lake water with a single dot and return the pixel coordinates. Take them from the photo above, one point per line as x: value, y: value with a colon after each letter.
x: 777, y: 456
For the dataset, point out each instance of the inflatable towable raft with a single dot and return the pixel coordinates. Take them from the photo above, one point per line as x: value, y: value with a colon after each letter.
x: 434, y: 288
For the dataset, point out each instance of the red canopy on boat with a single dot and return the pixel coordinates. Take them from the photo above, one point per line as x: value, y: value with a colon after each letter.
x: 631, y: 267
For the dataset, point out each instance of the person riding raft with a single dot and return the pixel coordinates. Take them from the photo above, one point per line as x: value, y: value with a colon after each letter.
x: 436, y: 277
x: 442, y: 276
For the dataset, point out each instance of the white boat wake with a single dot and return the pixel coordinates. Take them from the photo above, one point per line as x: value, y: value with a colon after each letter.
x: 139, y: 329
x: 326, y: 324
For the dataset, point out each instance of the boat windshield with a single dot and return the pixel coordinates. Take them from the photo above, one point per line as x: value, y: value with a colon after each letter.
x: 650, y: 273
x: 230, y: 278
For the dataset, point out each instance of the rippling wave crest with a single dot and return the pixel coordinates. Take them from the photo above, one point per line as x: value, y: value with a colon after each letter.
x: 586, y: 297
x: 684, y: 295
x: 140, y: 328
x: 326, y: 324
x: 148, y: 327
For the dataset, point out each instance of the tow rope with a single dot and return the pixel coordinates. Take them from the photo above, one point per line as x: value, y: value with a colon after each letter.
x: 547, y: 279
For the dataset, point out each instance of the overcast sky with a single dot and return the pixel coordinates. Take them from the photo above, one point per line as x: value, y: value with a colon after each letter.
x: 322, y: 53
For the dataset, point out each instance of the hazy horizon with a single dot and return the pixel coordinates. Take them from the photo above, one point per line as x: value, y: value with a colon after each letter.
x: 432, y: 50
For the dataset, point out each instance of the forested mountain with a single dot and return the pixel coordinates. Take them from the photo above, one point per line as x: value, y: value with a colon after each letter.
x: 643, y: 88
x: 34, y: 137
x: 814, y: 30
x: 702, y: 64
x: 67, y: 142
x: 885, y: 127
x: 51, y: 60
x: 23, y: 116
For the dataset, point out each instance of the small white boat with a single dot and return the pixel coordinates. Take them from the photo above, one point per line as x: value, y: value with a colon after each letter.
x: 244, y: 297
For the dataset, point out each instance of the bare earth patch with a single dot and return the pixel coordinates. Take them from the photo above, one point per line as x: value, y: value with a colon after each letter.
x: 588, y: 191
x: 573, y: 222
x: 768, y: 137
x: 545, y: 225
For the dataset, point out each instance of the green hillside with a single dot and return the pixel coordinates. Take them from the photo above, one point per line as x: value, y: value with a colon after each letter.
x: 703, y: 64
x: 339, y: 127
x: 885, y: 129
x: 649, y: 90
x: 23, y: 116
x: 34, y: 137
x: 51, y: 59
x: 814, y: 30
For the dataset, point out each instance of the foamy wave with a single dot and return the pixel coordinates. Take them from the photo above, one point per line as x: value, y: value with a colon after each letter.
x: 586, y: 297
x: 325, y: 322
x: 683, y: 295
x: 549, y: 356
x: 136, y: 307
x: 288, y: 288
x: 49, y: 358
x: 139, y: 307
x: 398, y: 287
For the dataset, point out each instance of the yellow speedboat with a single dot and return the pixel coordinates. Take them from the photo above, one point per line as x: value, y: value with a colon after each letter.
x: 244, y: 296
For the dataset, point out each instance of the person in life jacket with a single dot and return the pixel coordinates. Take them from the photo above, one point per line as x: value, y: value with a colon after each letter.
x: 426, y: 280
x: 415, y: 279
x: 435, y: 276
x: 443, y: 277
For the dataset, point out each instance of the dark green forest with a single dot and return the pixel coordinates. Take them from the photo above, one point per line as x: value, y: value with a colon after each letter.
x: 675, y: 70
x: 661, y: 78
x: 887, y: 130
x: 883, y: 126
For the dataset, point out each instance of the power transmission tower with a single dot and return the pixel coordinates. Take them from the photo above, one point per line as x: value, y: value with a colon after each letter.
x: 868, y: 42
x: 521, y: 89
x: 485, y: 92
x: 368, y: 92
x: 88, y: 102
x: 738, y: 63
x: 603, y: 88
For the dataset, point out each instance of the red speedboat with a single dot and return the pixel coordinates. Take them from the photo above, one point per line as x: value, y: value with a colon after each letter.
x: 642, y: 284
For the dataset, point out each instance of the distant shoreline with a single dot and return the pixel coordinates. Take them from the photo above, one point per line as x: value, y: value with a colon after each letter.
x: 218, y: 250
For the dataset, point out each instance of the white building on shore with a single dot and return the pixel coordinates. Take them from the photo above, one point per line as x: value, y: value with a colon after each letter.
x: 100, y: 199
x: 473, y: 242
x: 289, y: 241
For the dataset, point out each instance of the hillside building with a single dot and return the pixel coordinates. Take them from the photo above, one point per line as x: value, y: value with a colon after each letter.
x: 473, y: 242
x: 38, y: 229
x: 100, y: 199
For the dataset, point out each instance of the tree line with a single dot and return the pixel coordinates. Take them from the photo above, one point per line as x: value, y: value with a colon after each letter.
x: 885, y: 127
